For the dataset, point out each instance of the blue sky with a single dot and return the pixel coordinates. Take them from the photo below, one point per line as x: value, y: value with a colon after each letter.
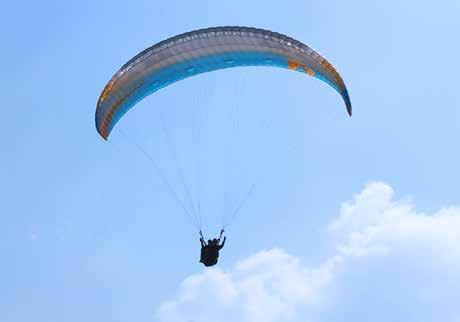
x: 89, y: 231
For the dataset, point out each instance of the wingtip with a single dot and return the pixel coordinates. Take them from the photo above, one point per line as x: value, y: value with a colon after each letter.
x: 103, y: 134
x: 347, y: 101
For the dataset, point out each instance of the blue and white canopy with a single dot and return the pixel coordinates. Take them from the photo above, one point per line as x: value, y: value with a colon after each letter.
x: 203, y: 51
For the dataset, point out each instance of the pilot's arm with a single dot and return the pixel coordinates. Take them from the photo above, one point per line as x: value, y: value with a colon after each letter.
x: 223, y: 243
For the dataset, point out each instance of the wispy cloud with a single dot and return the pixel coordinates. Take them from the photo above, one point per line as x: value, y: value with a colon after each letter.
x: 391, y: 263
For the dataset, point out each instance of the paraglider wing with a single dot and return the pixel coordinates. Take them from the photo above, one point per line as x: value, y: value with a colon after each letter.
x: 202, y: 51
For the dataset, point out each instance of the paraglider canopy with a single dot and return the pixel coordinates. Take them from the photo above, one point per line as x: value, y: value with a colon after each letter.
x: 203, y: 51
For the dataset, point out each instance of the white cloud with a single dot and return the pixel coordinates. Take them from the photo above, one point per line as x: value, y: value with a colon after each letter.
x: 391, y: 264
x: 373, y: 223
x: 268, y: 286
